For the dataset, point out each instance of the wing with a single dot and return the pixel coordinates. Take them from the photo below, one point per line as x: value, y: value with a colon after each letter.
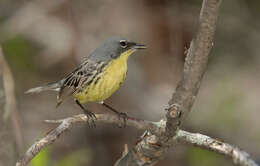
x: 80, y: 77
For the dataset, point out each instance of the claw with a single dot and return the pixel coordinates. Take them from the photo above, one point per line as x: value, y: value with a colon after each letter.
x: 91, y: 119
x: 124, y: 117
x: 91, y: 116
x: 120, y: 114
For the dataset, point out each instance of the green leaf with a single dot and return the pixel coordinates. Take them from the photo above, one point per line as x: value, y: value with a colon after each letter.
x: 74, y: 158
x: 201, y: 157
x: 42, y: 159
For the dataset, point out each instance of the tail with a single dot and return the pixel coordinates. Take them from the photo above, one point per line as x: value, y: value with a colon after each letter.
x: 51, y: 86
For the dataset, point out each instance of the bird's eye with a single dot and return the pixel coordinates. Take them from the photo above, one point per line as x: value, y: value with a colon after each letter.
x: 123, y: 43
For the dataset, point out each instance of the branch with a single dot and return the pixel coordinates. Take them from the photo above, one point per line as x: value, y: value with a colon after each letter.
x: 67, y: 123
x: 153, y: 148
x: 194, y: 67
x: 238, y: 156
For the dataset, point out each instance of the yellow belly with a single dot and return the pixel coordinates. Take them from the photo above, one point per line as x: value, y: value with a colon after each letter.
x: 110, y: 80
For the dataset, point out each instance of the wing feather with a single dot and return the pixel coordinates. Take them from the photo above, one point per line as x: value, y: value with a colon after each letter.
x: 81, y: 76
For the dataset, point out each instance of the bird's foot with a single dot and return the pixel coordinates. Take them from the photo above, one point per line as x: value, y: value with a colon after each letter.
x: 124, y: 117
x: 91, y: 118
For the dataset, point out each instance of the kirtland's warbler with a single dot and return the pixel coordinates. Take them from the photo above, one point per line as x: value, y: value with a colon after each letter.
x: 97, y: 77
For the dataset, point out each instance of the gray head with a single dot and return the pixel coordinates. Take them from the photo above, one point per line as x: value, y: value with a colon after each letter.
x: 113, y: 48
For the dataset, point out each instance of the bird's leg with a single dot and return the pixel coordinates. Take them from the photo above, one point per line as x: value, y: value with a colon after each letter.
x: 91, y: 116
x: 120, y: 114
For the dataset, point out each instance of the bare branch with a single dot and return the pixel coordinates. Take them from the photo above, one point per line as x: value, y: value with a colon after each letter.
x: 194, y: 67
x: 238, y: 156
x: 148, y: 139
x: 65, y: 124
x: 152, y: 148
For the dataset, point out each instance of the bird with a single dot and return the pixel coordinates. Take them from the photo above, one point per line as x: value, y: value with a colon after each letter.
x: 97, y: 77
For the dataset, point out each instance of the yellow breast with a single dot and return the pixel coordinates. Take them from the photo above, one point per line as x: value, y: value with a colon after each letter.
x: 108, y: 81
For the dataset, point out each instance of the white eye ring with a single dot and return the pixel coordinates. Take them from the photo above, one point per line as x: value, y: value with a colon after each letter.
x: 123, y: 43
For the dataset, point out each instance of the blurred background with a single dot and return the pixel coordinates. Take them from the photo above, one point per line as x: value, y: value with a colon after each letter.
x: 45, y: 40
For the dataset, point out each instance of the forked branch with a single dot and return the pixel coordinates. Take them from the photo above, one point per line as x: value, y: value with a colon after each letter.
x: 153, y: 148
x: 67, y: 123
x: 239, y: 157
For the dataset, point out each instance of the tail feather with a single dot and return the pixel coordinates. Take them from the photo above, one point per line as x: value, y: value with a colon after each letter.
x: 51, y: 86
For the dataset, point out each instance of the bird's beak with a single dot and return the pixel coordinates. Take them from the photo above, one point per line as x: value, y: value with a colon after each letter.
x: 139, y: 46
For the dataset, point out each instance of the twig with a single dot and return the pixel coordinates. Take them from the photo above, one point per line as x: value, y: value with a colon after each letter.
x: 238, y: 156
x: 65, y: 124
x: 194, y: 67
